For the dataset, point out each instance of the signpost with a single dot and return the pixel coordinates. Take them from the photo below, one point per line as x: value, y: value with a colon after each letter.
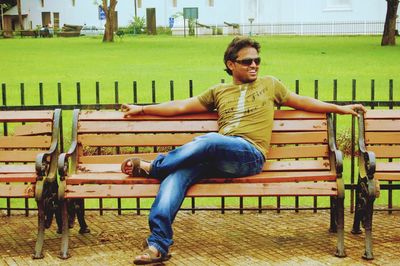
x: 189, y: 13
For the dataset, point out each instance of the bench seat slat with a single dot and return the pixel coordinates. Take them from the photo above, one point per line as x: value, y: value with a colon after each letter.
x: 178, y: 139
x: 205, y: 190
x: 25, y: 116
x: 309, y: 165
x: 382, y: 138
x: 264, y: 177
x: 18, y: 177
x: 17, y: 191
x: 25, y: 142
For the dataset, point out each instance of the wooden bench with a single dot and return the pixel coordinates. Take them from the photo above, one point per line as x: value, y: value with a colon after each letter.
x: 303, y: 160
x: 29, y: 33
x: 378, y: 140
x: 28, y: 161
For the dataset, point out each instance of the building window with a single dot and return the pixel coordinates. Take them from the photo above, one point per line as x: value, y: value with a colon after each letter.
x: 42, y: 2
x: 338, y: 5
x: 174, y: 3
x: 139, y: 3
x: 73, y: 2
x: 211, y: 3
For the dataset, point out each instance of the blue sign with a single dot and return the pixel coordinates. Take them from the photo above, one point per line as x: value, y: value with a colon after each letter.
x: 171, y: 22
x: 102, y: 14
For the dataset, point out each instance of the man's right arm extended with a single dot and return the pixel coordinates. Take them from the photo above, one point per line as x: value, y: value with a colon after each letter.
x: 177, y: 107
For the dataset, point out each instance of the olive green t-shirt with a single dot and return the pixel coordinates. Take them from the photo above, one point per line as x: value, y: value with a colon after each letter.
x: 247, y: 110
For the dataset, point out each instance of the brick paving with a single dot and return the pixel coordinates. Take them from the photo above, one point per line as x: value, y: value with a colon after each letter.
x: 206, y: 238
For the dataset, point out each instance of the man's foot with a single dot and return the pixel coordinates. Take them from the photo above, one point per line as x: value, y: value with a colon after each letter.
x: 150, y: 255
x: 136, y: 167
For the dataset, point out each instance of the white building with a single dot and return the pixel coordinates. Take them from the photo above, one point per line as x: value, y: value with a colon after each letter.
x: 252, y: 16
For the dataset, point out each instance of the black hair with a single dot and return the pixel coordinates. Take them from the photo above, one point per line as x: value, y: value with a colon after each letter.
x: 237, y: 44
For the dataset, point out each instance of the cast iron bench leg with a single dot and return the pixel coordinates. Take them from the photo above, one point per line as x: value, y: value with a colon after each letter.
x: 340, y: 252
x: 40, y: 235
x: 368, y: 255
x: 65, y: 231
x: 333, y: 214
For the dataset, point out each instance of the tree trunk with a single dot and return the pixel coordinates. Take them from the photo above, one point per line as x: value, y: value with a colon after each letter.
x: 389, y: 32
x: 21, y: 25
x: 110, y: 20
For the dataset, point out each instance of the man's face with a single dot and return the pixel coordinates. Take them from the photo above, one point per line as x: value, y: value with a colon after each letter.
x: 245, y: 67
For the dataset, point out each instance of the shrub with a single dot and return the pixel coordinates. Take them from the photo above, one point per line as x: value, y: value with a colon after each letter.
x: 136, y: 26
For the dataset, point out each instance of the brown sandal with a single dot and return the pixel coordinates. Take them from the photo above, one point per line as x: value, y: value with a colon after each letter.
x: 150, y: 257
x: 136, y: 170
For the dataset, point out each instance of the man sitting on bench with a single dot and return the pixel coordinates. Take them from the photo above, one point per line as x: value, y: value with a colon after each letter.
x: 246, y: 111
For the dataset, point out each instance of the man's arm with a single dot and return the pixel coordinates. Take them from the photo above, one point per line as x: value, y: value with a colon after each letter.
x: 313, y: 105
x: 177, y: 107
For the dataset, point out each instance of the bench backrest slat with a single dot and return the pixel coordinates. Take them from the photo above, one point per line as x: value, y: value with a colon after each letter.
x: 26, y: 116
x: 25, y: 142
x: 382, y: 135
x: 18, y: 155
x: 177, y: 139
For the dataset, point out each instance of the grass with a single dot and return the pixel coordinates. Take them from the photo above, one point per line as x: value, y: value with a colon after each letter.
x: 164, y: 58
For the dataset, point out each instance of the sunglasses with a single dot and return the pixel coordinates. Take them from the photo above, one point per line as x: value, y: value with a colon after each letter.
x: 249, y: 61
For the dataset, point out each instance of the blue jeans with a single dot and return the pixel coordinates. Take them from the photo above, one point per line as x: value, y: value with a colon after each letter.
x: 209, y: 155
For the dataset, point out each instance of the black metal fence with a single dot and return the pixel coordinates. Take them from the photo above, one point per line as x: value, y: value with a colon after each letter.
x: 372, y: 103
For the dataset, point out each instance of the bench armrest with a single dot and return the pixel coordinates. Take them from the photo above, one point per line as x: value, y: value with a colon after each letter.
x: 63, y: 163
x: 335, y: 155
x: 46, y: 162
x: 367, y: 161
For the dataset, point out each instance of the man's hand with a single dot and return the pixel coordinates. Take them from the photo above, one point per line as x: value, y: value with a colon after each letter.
x: 131, y: 109
x: 351, y: 109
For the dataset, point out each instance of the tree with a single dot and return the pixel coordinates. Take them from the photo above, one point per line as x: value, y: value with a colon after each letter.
x: 389, y: 32
x: 20, y: 15
x: 110, y: 20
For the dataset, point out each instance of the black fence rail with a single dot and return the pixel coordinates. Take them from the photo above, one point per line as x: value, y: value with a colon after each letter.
x: 371, y: 103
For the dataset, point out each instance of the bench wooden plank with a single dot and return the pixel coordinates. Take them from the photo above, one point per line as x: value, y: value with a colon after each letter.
x: 382, y: 125
x: 17, y: 168
x: 385, y: 151
x: 177, y: 139
x: 382, y: 114
x: 188, y: 126
x: 382, y: 137
x: 274, y: 153
x: 264, y: 177
x: 147, y: 126
x: 34, y: 129
x: 17, y: 191
x: 18, y: 156
x: 25, y: 116
x: 302, y: 151
x: 18, y: 177
x: 118, y: 116
x: 387, y: 176
x: 302, y: 165
x: 205, y: 190
x: 388, y: 167
x: 25, y: 142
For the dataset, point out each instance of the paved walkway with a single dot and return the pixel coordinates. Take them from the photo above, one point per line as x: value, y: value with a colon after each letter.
x: 206, y: 238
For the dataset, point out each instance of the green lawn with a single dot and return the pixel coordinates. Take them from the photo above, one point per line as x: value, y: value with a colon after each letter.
x: 164, y: 58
